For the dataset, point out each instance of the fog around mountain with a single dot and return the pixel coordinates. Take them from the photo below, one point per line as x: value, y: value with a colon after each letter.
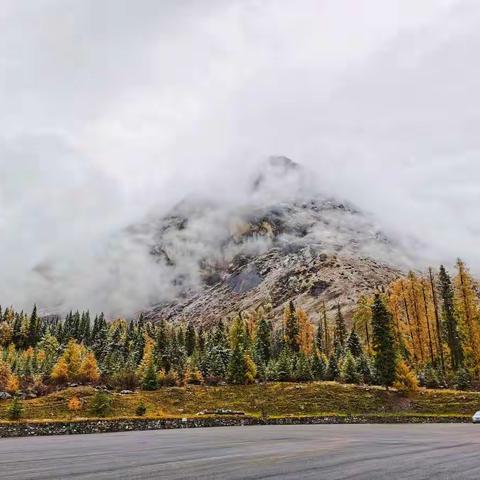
x: 114, y: 113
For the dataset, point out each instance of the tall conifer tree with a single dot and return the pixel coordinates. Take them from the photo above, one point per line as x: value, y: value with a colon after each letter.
x: 383, y: 343
x: 450, y: 321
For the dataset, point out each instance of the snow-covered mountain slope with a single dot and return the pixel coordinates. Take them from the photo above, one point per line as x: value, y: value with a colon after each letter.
x: 280, y: 241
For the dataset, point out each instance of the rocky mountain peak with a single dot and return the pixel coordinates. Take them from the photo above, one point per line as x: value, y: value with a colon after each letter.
x: 282, y: 242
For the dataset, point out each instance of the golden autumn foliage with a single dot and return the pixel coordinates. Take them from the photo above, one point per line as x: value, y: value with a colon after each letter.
x: 8, y: 381
x: 89, y: 371
x: 74, y: 405
x: 411, y: 301
x: 147, y: 359
x: 193, y: 376
x: 305, y: 332
x: 250, y: 369
x: 13, y: 384
x: 11, y: 352
x: 60, y: 371
x: 468, y: 310
x: 416, y: 306
x: 75, y: 364
x: 73, y: 358
x: 362, y: 318
x: 41, y: 356
x: 405, y: 380
x: 6, y: 333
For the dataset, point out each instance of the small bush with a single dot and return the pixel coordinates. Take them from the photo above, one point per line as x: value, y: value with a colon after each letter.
x: 430, y: 378
x: 141, y: 410
x: 193, y: 377
x: 74, y: 405
x: 169, y: 379
x: 101, y: 404
x: 213, y: 381
x: 15, y: 409
x: 463, y: 380
x: 125, y: 380
x: 405, y: 379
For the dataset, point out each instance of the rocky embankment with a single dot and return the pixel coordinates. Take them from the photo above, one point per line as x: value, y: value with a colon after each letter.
x: 25, y: 429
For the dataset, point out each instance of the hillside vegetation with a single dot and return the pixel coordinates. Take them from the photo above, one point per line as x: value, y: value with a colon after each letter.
x: 424, y: 332
x: 273, y: 399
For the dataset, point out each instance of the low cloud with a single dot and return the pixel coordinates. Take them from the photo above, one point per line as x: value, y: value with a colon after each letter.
x: 113, y: 112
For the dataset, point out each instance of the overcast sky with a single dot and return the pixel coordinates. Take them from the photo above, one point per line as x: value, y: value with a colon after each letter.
x: 110, y: 108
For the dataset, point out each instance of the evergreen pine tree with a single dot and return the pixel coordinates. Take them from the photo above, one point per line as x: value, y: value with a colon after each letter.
x: 162, y: 342
x: 292, y: 328
x: 217, y: 354
x: 17, y: 330
x: 180, y: 337
x: 364, y: 369
x: 190, y: 339
x: 76, y: 326
x: 201, y: 341
x: 284, y: 366
x: 320, y: 338
x: 319, y: 365
x: 236, y: 367
x: 450, y: 321
x: 349, y: 371
x: 353, y: 344
x: 383, y: 343
x: 340, y: 328
x: 94, y: 329
x: 303, y: 372
x: 100, y: 339
x: 333, y: 370
x: 84, y: 334
x: 150, y: 381
x: 34, y: 328
x: 263, y: 342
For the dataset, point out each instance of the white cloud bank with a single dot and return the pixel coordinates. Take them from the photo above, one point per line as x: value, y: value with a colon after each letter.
x: 112, y: 108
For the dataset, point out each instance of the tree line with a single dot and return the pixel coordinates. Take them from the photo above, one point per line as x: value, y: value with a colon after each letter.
x: 422, y: 329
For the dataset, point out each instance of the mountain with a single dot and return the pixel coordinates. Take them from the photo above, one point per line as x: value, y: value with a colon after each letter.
x: 280, y: 241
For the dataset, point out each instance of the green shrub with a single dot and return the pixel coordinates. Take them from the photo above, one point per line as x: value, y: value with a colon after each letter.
x: 141, y: 410
x: 124, y: 380
x: 15, y: 409
x: 150, y: 381
x: 101, y: 404
x: 463, y: 380
x: 430, y: 378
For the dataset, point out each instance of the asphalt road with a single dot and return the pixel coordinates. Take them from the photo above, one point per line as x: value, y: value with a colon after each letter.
x: 288, y: 452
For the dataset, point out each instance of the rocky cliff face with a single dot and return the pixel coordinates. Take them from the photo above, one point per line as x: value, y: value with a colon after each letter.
x: 282, y: 241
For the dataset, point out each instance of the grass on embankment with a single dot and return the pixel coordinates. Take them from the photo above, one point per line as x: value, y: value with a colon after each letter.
x: 276, y: 399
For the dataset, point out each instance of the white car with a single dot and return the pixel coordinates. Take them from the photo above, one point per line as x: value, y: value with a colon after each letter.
x: 476, y: 418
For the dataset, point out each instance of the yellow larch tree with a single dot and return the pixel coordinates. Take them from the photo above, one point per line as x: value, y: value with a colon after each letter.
x: 305, y: 332
x: 89, y: 371
x: 467, y: 306
x: 147, y: 359
x: 59, y: 372
x: 362, y: 318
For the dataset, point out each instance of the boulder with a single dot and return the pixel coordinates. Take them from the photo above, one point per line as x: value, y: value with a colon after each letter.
x: 127, y: 392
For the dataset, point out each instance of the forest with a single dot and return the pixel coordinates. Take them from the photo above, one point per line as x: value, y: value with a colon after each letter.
x: 420, y: 331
